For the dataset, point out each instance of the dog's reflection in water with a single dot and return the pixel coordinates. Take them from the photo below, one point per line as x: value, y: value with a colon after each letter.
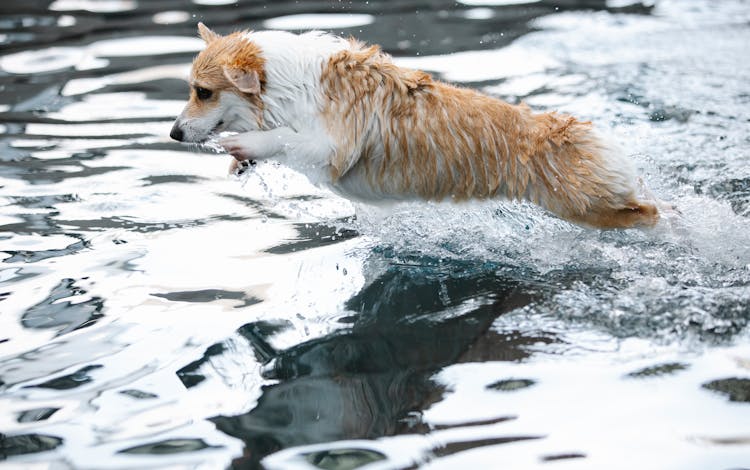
x: 374, y: 378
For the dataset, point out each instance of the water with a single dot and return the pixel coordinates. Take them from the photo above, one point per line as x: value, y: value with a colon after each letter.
x: 155, y: 312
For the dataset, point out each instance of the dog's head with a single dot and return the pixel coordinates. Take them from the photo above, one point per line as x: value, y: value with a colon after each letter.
x: 226, y: 83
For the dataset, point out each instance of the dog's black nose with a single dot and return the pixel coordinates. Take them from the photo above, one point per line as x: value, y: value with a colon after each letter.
x: 176, y: 133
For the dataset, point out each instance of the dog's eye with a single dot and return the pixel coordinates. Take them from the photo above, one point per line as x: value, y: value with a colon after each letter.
x: 203, y: 93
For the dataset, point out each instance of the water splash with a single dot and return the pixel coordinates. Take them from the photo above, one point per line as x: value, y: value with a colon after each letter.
x: 686, y: 276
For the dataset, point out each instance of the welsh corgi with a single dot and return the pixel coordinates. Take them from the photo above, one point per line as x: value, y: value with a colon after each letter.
x: 347, y: 117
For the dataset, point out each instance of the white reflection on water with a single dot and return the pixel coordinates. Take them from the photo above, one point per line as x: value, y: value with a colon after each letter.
x: 214, y: 2
x: 79, y: 86
x: 105, y: 106
x: 558, y: 405
x: 318, y: 21
x: 496, y: 2
x: 94, y: 56
x: 54, y: 58
x: 171, y: 17
x: 16, y: 242
x: 500, y: 63
x: 95, y: 6
x: 479, y: 14
x: 155, y: 129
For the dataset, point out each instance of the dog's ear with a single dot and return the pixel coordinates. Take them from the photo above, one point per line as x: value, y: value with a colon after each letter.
x: 247, y: 81
x: 206, y: 34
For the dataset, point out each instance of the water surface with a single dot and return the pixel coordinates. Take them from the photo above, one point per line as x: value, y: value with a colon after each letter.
x: 156, y: 312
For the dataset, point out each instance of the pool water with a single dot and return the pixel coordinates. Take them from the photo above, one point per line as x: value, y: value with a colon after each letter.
x: 156, y: 312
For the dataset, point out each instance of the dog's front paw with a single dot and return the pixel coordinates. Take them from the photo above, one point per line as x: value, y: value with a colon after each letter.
x: 239, y: 167
x: 235, y: 147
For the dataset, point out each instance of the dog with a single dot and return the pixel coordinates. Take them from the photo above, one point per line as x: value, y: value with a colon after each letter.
x: 342, y: 113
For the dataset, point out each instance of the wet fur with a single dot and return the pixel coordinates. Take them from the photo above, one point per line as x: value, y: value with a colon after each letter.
x: 345, y: 115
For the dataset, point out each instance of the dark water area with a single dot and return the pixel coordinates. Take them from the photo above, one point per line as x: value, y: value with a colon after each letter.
x: 156, y: 312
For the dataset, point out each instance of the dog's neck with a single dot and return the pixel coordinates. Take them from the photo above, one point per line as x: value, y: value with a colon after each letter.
x: 293, y: 66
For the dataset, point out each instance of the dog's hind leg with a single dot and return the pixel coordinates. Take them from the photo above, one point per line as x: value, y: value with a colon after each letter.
x: 633, y: 215
x: 586, y: 178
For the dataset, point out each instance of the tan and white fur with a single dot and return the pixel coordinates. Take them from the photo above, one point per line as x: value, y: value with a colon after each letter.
x: 347, y: 117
